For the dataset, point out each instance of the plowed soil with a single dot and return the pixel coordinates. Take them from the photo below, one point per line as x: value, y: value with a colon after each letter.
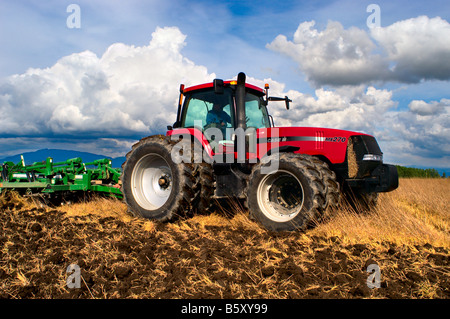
x: 200, y: 257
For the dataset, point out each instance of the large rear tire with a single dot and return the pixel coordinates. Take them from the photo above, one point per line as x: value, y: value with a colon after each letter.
x: 153, y: 185
x: 290, y: 198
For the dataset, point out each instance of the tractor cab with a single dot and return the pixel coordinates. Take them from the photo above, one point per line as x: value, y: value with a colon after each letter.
x: 218, y: 108
x: 216, y: 105
x: 204, y: 108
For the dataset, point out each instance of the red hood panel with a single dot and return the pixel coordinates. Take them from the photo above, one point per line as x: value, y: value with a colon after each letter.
x: 308, y: 131
x: 326, y: 142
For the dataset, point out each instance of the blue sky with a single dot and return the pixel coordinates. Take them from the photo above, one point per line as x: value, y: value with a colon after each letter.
x: 115, y: 79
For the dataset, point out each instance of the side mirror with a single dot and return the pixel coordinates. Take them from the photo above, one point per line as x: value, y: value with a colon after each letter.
x: 218, y: 86
x: 287, y: 102
x: 286, y: 99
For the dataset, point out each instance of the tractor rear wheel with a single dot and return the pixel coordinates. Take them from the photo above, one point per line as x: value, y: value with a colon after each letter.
x: 290, y: 198
x: 153, y: 185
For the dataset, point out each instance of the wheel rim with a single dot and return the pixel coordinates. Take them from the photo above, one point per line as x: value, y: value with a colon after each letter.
x: 151, y: 181
x: 280, y: 196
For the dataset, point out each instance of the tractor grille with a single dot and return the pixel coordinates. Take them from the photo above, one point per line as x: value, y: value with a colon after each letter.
x: 358, y: 146
x: 364, y: 144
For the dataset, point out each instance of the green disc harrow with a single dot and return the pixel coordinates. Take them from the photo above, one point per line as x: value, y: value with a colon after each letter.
x: 73, y: 175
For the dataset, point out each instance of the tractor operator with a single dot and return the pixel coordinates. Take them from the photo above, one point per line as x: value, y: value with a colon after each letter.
x: 218, y: 118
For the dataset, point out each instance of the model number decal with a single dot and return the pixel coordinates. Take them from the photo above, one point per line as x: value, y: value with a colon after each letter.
x: 336, y: 139
x: 276, y: 139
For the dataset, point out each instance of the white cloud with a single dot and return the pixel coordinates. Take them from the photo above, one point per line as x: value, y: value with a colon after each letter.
x: 128, y: 90
x: 334, y: 56
x: 432, y: 108
x: 351, y: 108
x: 419, y: 48
x: 406, y: 51
x: 426, y: 126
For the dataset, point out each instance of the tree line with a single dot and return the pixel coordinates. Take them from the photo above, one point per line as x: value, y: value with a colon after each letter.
x: 418, y: 172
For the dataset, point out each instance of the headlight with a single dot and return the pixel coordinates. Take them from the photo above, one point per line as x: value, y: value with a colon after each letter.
x: 373, y: 157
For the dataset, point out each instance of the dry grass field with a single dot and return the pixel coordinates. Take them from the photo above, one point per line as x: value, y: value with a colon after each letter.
x: 227, y: 255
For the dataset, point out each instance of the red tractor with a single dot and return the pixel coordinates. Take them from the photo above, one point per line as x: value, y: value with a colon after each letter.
x: 224, y: 144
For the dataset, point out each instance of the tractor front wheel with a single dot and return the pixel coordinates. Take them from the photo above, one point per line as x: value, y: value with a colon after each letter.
x: 153, y: 185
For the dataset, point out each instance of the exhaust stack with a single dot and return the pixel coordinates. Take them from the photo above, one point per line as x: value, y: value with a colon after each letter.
x: 240, y: 101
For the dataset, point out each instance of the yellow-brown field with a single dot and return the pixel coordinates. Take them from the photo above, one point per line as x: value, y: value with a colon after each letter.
x: 227, y: 255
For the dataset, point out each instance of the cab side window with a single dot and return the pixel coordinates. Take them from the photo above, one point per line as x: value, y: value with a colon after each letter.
x: 255, y: 112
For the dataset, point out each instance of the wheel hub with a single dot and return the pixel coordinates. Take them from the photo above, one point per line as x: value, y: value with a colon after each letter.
x: 164, y: 181
x: 151, y: 181
x: 285, y: 192
x: 280, y: 196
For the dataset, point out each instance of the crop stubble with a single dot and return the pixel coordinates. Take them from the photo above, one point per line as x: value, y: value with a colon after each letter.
x: 224, y: 255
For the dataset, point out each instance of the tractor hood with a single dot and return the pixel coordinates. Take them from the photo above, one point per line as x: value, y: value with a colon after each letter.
x: 315, y: 132
x: 326, y: 142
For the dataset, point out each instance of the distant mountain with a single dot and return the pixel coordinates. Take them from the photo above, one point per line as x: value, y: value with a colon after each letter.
x: 60, y: 156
